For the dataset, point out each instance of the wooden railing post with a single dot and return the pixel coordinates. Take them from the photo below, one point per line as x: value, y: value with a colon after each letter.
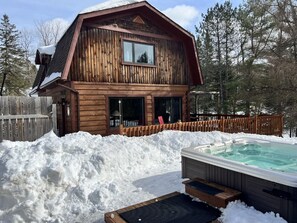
x: 256, y: 124
x: 223, y: 124
x: 179, y: 125
x: 282, y: 125
x: 121, y: 129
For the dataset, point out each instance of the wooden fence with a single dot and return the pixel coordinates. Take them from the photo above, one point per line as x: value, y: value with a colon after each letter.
x: 26, y: 118
x: 264, y: 125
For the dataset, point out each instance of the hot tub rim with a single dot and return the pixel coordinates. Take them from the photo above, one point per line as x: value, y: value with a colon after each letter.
x: 288, y: 179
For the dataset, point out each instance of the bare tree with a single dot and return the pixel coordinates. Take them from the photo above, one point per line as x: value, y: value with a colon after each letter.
x: 49, y: 32
x: 26, y: 43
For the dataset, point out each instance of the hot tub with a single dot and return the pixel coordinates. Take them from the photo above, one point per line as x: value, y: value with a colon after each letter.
x: 264, y: 171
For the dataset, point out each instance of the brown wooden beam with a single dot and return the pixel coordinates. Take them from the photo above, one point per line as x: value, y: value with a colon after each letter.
x: 115, y: 28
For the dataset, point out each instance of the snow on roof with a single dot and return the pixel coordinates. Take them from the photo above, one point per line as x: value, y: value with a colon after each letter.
x: 109, y: 4
x: 49, y: 50
x: 50, y: 79
x: 33, y: 91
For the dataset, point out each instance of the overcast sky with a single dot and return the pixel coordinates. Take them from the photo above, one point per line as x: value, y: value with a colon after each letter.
x: 25, y: 13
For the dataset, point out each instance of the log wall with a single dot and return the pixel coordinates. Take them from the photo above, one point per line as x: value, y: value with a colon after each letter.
x: 65, y: 123
x: 98, y: 58
x: 94, y: 102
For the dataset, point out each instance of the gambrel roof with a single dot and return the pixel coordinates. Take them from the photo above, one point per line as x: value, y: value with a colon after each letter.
x: 65, y: 48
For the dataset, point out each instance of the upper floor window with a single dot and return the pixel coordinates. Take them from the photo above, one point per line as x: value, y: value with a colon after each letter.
x: 141, y: 53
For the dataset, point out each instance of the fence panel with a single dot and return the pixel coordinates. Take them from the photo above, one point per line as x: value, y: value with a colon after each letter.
x: 25, y: 118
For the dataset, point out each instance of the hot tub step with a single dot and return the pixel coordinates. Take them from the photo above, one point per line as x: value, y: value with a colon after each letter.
x: 211, y: 193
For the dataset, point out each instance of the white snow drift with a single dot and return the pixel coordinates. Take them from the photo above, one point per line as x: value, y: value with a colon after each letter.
x: 79, y: 177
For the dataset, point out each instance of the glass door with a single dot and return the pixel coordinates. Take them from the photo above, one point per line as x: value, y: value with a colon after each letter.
x: 126, y: 111
x: 169, y: 108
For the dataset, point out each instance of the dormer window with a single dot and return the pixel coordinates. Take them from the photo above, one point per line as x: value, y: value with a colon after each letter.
x: 138, y: 53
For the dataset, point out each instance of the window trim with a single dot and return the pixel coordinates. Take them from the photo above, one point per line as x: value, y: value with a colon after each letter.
x: 138, y: 42
x: 169, y: 96
x: 121, y: 97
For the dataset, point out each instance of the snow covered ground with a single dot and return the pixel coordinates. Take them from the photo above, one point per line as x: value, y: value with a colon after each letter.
x: 79, y: 177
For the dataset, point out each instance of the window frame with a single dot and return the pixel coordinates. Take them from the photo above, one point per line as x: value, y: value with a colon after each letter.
x: 133, y: 41
x: 121, y: 118
x: 167, y: 98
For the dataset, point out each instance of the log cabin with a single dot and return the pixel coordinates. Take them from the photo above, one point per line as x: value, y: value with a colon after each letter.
x: 120, y: 62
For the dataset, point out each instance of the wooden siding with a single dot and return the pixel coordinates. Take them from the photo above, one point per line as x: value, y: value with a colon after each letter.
x: 94, y: 108
x: 98, y: 58
x: 128, y: 22
x: 70, y: 123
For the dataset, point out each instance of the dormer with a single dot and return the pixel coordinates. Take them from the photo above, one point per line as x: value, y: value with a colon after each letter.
x: 44, y: 54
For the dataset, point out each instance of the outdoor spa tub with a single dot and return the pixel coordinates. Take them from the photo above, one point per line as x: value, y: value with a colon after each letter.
x: 264, y: 171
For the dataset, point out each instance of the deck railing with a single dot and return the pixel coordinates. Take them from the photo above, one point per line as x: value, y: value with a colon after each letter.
x: 205, y: 117
x: 263, y: 125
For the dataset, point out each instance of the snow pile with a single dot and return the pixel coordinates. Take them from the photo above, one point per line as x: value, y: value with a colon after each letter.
x: 79, y: 177
x: 236, y: 211
x: 109, y: 4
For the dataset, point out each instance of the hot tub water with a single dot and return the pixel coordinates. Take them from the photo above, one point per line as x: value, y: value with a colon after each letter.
x: 262, y: 154
x: 272, y: 156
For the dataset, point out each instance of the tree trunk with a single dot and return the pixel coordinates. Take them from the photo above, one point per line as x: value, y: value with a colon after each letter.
x: 2, y: 85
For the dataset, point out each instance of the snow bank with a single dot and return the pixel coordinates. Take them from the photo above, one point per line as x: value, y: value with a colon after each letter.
x: 79, y: 177
x: 239, y: 212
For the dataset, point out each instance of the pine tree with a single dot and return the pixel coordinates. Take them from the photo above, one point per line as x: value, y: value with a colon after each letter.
x: 281, y: 85
x: 256, y: 29
x: 215, y: 36
x: 12, y: 60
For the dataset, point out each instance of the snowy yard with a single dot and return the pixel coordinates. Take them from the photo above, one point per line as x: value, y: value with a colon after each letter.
x: 79, y: 177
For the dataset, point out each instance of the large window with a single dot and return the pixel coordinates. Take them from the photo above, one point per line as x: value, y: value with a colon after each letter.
x: 169, y: 108
x: 139, y: 53
x: 126, y: 111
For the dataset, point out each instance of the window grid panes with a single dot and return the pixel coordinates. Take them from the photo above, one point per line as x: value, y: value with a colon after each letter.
x: 139, y: 53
